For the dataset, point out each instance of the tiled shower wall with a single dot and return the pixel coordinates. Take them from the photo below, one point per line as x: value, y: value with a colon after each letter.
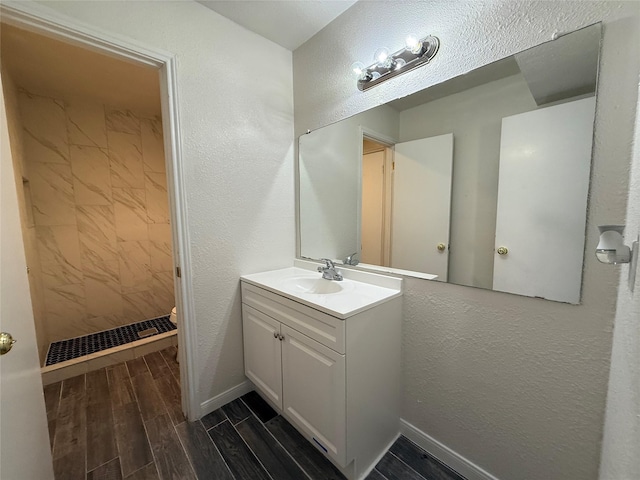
x: 97, y: 182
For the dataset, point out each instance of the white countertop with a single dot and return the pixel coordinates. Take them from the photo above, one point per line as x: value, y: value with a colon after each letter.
x: 358, y: 291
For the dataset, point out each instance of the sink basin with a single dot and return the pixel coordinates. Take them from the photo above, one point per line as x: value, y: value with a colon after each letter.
x: 311, y: 285
x: 341, y: 299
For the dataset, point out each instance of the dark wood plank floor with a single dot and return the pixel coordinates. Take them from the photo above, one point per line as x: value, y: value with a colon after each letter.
x: 124, y: 422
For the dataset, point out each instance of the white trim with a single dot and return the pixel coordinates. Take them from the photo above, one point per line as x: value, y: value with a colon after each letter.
x: 42, y: 20
x: 378, y: 137
x: 443, y: 453
x: 225, y: 397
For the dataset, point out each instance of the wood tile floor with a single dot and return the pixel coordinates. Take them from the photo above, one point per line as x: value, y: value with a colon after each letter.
x: 124, y: 422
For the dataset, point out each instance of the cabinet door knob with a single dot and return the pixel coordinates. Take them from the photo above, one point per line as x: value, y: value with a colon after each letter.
x: 275, y: 334
x: 441, y: 247
x: 502, y: 250
x: 281, y: 337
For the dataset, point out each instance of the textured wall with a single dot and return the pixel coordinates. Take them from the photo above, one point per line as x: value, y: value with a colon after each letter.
x: 517, y: 385
x: 236, y: 120
x: 620, y: 459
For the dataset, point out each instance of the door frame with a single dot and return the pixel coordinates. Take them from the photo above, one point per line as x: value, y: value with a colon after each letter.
x: 389, y: 144
x: 41, y: 20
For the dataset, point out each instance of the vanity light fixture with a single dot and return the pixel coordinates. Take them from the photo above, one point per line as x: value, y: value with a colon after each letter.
x: 612, y: 250
x: 417, y: 51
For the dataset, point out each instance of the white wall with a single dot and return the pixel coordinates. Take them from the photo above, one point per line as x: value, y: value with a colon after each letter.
x: 620, y: 459
x: 517, y: 385
x: 330, y: 170
x: 235, y: 108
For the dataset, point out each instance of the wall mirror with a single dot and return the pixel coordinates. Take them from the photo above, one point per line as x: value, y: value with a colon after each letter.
x: 481, y: 180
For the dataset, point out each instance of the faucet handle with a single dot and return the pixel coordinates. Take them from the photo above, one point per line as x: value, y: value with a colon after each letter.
x: 350, y: 260
x: 328, y: 263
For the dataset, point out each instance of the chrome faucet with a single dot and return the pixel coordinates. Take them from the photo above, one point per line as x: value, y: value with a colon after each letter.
x: 329, y: 270
x: 351, y: 260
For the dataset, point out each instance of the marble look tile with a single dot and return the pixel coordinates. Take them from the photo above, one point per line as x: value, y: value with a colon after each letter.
x: 66, y: 310
x: 86, y: 123
x: 45, y: 129
x: 97, y: 233
x: 122, y: 120
x: 162, y: 289
x: 125, y: 157
x: 152, y: 145
x: 52, y: 194
x: 59, y: 250
x: 157, y: 200
x: 105, y: 322
x: 141, y: 306
x: 109, y: 359
x: 130, y: 214
x: 135, y: 273
x: 102, y: 286
x: 159, y: 343
x: 91, y: 175
x: 160, y: 247
x: 53, y: 375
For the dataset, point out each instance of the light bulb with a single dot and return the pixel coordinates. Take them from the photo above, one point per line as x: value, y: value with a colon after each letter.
x: 358, y: 68
x: 381, y: 57
x: 413, y: 44
x: 360, y: 71
x: 399, y: 64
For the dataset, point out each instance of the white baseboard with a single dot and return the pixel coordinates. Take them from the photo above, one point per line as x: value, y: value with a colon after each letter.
x: 225, y: 397
x: 443, y: 453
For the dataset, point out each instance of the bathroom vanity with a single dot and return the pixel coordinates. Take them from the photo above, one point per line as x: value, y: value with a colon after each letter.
x: 326, y: 355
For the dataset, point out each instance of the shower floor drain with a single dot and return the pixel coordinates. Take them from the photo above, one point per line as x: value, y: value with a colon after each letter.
x: 148, y: 332
x: 80, y: 346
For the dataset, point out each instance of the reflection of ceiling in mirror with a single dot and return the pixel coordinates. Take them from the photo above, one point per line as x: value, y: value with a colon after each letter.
x: 495, y: 71
x: 564, y: 68
x: 556, y: 70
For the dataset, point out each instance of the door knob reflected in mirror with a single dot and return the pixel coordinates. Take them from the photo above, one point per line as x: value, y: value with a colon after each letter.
x: 6, y: 342
x: 441, y: 247
x: 502, y: 250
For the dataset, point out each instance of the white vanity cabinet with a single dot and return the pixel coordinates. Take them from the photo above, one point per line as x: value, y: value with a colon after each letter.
x: 337, y: 380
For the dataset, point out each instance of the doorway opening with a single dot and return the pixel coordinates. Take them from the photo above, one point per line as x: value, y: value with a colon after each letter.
x: 398, y: 180
x: 86, y: 137
x: 377, y: 195
x: 162, y: 123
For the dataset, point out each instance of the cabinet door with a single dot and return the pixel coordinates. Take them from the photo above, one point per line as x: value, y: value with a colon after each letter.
x: 262, y: 353
x: 313, y: 378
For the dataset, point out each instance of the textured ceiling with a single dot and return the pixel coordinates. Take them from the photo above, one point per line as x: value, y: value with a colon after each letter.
x: 287, y: 23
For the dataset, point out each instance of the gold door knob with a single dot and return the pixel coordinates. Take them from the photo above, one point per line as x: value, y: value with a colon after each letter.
x: 441, y: 247
x: 502, y: 250
x: 6, y: 342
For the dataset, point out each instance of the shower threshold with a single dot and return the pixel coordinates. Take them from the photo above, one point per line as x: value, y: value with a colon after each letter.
x: 73, y: 348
